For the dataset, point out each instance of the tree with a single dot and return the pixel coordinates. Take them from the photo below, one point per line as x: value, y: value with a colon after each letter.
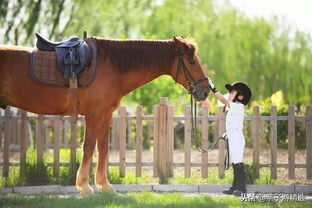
x: 30, y: 16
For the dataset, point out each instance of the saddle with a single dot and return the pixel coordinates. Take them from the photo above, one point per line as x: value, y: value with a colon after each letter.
x: 73, y: 55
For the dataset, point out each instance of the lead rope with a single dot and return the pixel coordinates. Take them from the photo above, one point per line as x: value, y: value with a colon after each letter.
x: 227, y: 157
x: 194, y: 127
x: 193, y: 118
x: 194, y: 136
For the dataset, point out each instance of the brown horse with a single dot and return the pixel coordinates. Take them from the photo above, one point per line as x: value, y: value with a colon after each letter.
x: 123, y: 65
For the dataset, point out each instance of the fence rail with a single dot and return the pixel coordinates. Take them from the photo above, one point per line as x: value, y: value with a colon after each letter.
x: 17, y: 130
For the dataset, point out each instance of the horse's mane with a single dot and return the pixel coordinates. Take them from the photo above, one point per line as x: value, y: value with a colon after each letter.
x: 129, y: 55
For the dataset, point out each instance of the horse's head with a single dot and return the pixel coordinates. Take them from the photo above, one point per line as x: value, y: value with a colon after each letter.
x: 189, y: 72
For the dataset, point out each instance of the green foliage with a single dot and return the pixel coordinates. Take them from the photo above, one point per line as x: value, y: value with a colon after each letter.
x: 3, y: 10
x: 115, y: 178
x: 250, y: 175
x: 65, y: 176
x: 149, y: 94
x: 213, y: 178
x: 36, y: 173
x: 14, y: 178
x: 264, y: 175
x: 39, y: 174
x: 277, y: 99
x: 265, y: 178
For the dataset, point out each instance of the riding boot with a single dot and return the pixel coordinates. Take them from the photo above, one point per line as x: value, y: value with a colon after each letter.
x: 230, y: 190
x: 241, y: 180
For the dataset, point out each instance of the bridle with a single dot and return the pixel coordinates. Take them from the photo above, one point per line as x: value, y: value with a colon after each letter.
x: 189, y: 79
x: 191, y: 90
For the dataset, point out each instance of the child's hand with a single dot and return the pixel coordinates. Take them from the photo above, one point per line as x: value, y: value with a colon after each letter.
x: 212, y: 86
x: 217, y: 94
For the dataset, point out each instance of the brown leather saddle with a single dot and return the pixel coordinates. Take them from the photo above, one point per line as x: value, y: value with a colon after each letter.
x: 73, y: 59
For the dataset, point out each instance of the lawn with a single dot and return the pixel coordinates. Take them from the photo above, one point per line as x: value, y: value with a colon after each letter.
x: 137, y: 200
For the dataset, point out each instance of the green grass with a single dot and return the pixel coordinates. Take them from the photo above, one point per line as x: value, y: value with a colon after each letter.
x: 144, y: 200
x: 213, y: 178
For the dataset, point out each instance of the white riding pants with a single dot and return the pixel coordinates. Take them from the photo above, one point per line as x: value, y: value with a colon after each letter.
x: 236, y: 147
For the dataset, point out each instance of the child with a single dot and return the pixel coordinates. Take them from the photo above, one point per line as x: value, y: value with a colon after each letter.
x: 240, y: 95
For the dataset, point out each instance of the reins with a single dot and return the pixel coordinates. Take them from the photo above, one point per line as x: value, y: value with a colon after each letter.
x: 191, y: 90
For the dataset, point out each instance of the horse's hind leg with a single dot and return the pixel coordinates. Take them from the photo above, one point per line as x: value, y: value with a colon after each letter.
x: 101, y: 180
x: 92, y: 132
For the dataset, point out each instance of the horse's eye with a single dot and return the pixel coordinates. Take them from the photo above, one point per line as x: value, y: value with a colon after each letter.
x: 192, y: 62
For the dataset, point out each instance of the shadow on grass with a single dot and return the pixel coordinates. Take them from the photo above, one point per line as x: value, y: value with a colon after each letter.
x: 137, y: 200
x: 144, y: 200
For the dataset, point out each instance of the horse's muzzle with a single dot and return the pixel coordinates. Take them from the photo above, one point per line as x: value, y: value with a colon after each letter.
x: 199, y: 92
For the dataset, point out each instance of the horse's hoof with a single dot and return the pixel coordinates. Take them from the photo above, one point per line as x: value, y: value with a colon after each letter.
x: 86, y: 190
x: 106, y: 187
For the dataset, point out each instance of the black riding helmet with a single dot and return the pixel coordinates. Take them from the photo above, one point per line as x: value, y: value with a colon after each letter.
x: 242, y: 89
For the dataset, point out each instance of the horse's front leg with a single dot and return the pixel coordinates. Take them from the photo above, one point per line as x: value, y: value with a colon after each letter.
x: 93, y: 128
x: 101, y: 180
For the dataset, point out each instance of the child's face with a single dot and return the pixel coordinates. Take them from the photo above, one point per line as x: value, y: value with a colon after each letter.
x: 232, y: 95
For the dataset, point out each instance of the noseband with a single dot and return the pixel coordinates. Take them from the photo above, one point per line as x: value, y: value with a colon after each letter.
x: 191, y: 90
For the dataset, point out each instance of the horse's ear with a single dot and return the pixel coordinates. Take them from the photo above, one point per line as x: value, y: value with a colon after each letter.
x: 177, y: 39
x: 184, y: 47
x: 179, y: 43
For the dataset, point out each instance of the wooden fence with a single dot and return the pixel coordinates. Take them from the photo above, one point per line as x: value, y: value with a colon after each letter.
x: 16, y: 130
